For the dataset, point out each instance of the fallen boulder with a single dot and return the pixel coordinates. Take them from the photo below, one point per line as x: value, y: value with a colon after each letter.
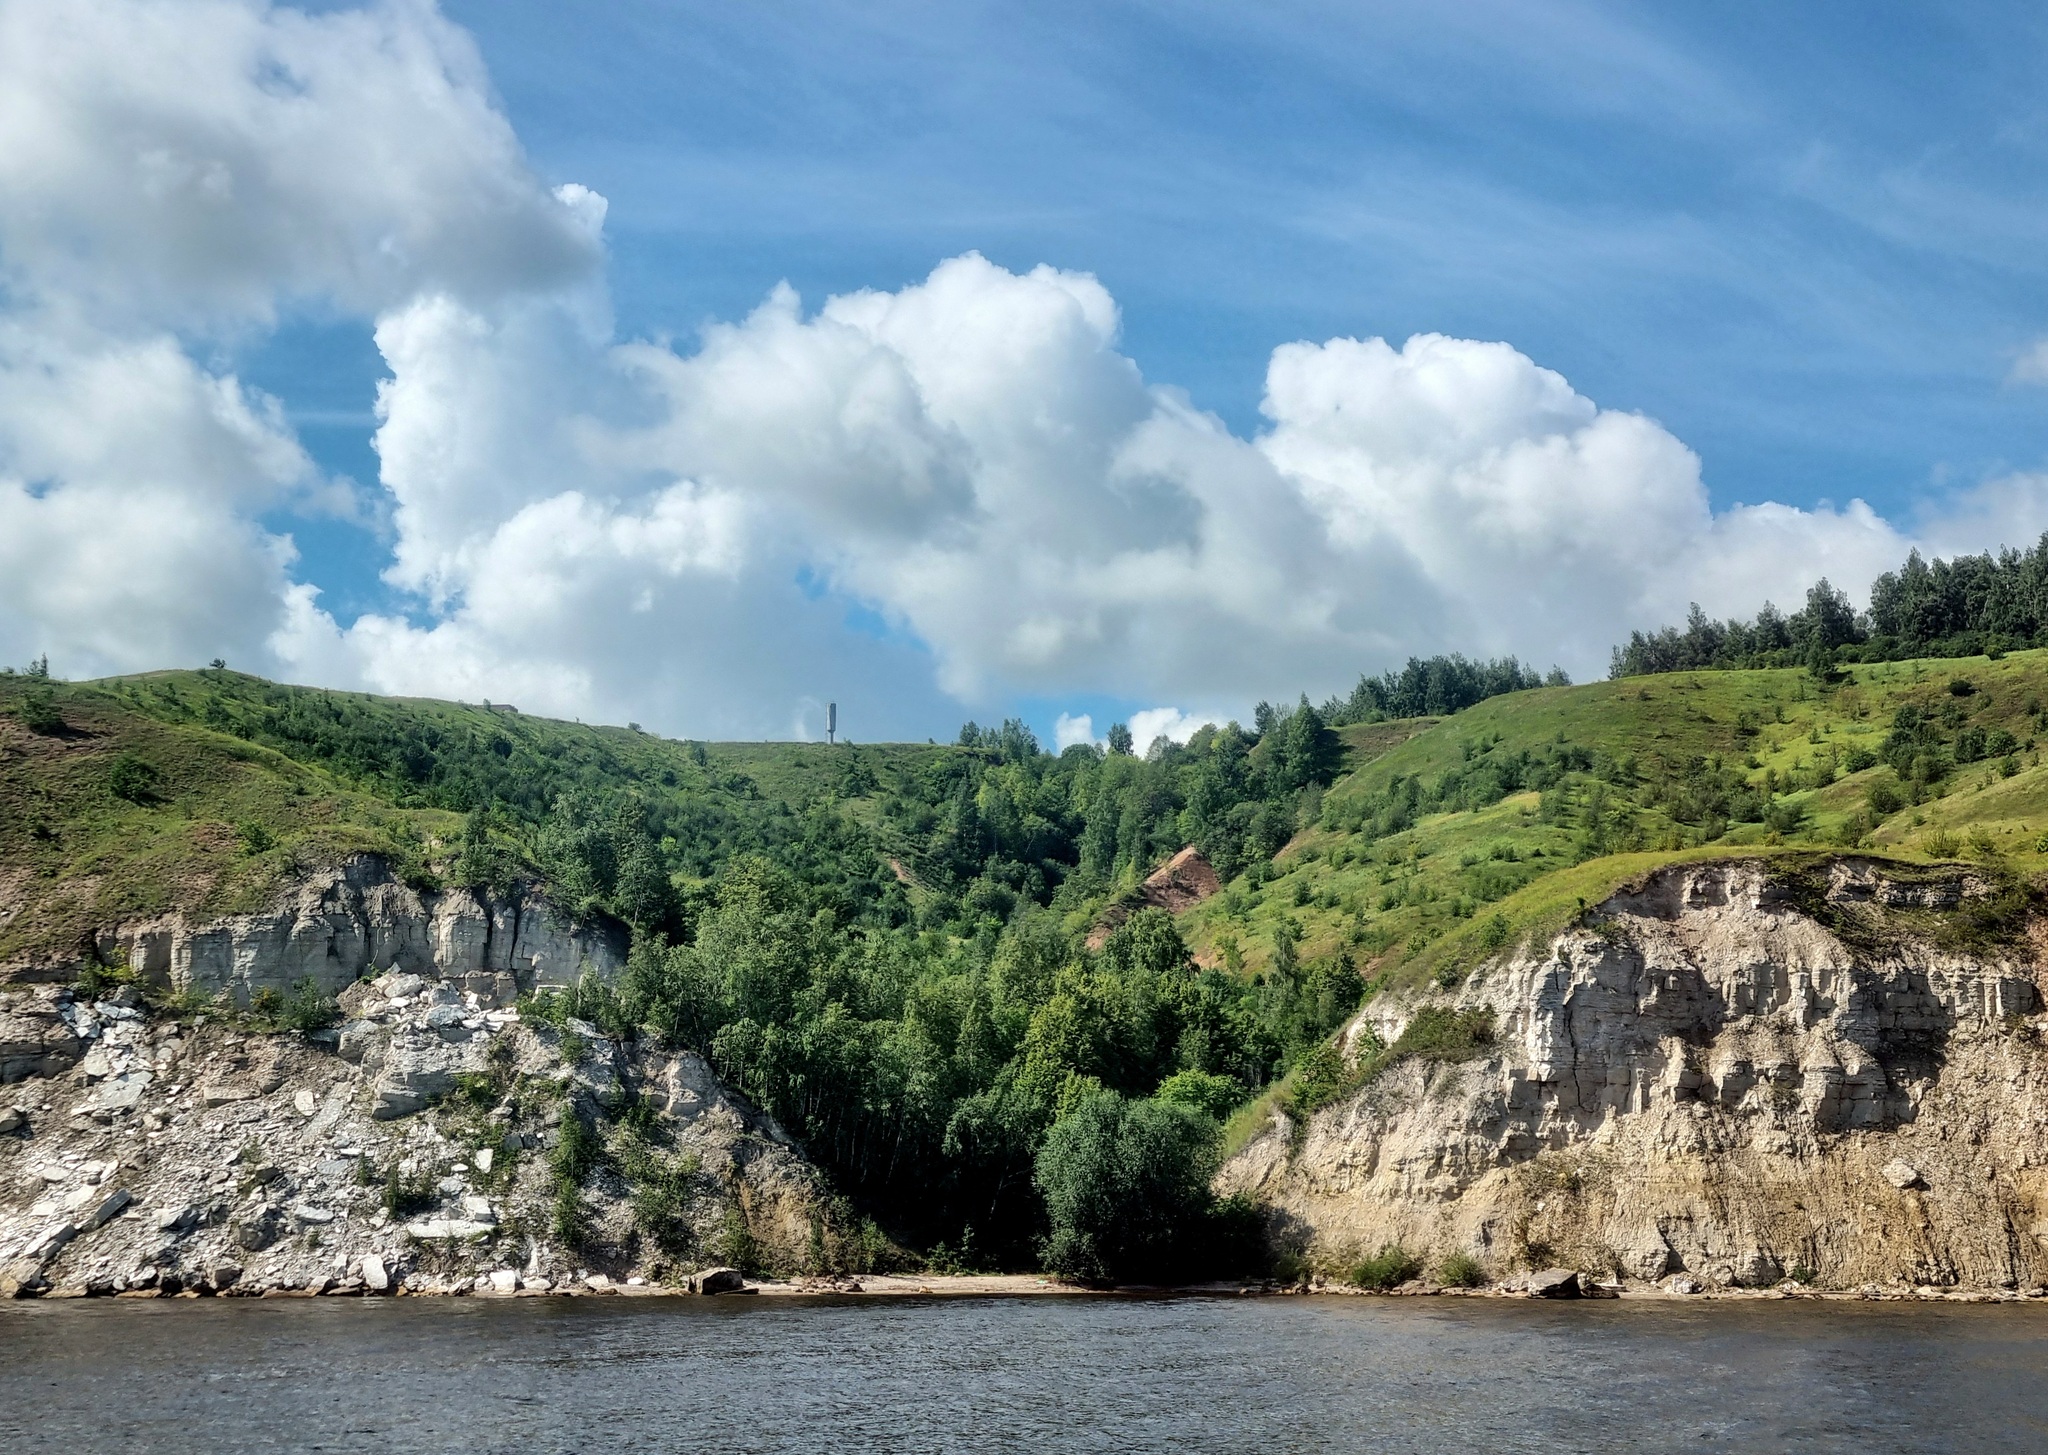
x: 1554, y: 1283
x: 721, y: 1280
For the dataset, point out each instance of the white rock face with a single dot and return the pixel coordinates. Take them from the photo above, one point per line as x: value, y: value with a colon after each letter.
x: 339, y: 923
x: 241, y: 1190
x: 1712, y: 1082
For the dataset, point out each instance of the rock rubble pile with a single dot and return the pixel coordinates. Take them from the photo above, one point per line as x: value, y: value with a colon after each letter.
x: 415, y: 1148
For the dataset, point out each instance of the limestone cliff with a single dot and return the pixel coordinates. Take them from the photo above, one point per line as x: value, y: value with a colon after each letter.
x: 434, y: 1141
x: 1720, y: 1074
x: 336, y: 924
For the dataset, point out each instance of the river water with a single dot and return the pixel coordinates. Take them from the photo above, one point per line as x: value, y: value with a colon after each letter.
x: 1045, y: 1374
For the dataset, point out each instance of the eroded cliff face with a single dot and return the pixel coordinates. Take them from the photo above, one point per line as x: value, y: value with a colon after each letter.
x: 1712, y: 1083
x: 338, y: 924
x: 416, y: 1147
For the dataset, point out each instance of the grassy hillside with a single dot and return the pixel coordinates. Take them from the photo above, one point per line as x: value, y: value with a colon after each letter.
x: 252, y: 778
x: 1610, y: 779
x: 233, y: 783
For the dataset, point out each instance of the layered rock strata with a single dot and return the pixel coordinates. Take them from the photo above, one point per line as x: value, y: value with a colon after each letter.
x: 1705, y: 1081
x: 337, y: 924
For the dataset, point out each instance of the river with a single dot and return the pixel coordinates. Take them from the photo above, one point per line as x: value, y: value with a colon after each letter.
x: 1046, y: 1374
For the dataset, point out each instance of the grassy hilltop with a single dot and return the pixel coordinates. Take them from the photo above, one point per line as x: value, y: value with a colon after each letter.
x: 1596, y: 784
x: 881, y: 944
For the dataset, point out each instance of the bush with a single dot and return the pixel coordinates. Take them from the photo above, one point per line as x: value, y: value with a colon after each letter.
x: 1785, y: 816
x: 308, y: 1009
x: 1391, y: 1267
x: 1217, y: 1096
x: 256, y: 839
x: 575, y: 1154
x: 1495, y: 934
x: 1126, y: 1189
x: 1884, y: 800
x: 663, y: 1181
x: 1445, y: 1035
x: 133, y: 779
x: 305, y: 1009
x: 404, y: 1196
x: 736, y: 1246
x: 1462, y: 1270
x: 1320, y: 1079
x: 38, y: 713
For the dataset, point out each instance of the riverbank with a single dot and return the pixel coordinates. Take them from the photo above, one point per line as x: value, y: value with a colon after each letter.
x: 509, y: 1283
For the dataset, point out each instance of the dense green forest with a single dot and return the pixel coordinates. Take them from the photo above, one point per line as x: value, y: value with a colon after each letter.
x: 1955, y: 608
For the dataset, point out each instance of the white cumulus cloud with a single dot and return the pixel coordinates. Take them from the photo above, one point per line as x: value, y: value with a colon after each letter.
x: 172, y: 175
x: 953, y: 495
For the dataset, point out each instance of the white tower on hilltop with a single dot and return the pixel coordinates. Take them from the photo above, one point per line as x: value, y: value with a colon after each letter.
x: 831, y: 720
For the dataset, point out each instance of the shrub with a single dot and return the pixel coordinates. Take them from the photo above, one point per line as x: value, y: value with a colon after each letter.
x: 1785, y: 816
x: 1217, y: 1096
x: 1462, y: 1270
x: 1883, y: 799
x: 256, y: 839
x: 1391, y: 1267
x: 405, y: 1195
x: 308, y: 1009
x: 133, y: 779
x: 736, y: 1246
x: 575, y: 1154
x: 663, y: 1180
x: 1495, y: 933
x: 38, y: 713
x: 1320, y: 1079
x: 1445, y: 1035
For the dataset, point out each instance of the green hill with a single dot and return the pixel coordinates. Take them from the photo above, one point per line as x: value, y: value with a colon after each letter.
x: 1501, y: 821
x: 231, y: 783
x: 882, y: 944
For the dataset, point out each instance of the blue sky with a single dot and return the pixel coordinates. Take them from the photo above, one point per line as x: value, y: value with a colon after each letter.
x: 1804, y: 240
x: 1808, y: 239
